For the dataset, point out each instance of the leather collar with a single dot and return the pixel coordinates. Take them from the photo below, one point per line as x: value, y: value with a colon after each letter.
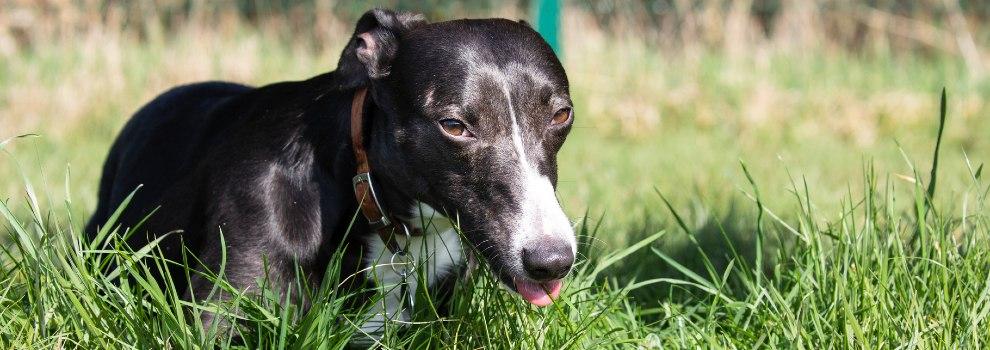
x: 364, y: 190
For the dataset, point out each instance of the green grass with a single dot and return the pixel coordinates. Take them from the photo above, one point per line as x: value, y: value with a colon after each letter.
x: 872, y: 276
x: 721, y: 203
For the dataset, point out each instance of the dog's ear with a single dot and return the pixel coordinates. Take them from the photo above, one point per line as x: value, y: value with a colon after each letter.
x: 371, y: 49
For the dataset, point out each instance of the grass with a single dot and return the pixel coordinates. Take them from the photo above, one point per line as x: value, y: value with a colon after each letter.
x: 872, y: 277
x: 831, y: 231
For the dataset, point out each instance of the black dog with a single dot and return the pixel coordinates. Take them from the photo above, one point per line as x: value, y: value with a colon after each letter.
x: 462, y: 119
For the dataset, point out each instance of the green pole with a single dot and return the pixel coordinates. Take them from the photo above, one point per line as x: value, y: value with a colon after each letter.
x: 547, y: 16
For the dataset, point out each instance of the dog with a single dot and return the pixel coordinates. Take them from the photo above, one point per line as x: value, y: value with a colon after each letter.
x: 422, y: 127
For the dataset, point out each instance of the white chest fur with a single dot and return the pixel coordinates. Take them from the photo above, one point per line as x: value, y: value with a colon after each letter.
x: 436, y: 253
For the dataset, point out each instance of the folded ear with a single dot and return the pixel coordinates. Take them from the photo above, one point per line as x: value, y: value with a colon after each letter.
x: 371, y: 49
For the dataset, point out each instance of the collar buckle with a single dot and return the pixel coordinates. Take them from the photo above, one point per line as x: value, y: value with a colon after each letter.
x: 364, y: 187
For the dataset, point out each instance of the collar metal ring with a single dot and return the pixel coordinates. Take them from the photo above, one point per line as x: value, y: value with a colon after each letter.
x: 403, y: 258
x: 405, y: 231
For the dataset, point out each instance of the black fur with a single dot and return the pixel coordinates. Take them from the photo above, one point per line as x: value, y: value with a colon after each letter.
x: 271, y: 167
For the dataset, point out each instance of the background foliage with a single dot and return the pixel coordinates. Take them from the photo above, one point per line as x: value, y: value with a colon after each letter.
x: 831, y: 105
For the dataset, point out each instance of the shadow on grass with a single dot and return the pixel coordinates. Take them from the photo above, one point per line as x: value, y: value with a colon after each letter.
x: 717, y: 239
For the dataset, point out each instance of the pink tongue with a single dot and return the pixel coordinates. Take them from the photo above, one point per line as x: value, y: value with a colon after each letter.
x: 536, y: 293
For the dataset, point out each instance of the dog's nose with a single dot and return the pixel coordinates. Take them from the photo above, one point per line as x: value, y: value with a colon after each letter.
x: 547, y: 261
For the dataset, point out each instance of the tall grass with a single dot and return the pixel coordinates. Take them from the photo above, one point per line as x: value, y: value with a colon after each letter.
x: 829, y: 235
x: 65, y: 290
x: 871, y: 276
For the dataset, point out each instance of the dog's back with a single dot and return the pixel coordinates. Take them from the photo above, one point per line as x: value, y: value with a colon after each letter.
x: 168, y: 130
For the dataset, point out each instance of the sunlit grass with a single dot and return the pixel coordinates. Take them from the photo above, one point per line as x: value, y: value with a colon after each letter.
x: 893, y: 268
x: 827, y: 238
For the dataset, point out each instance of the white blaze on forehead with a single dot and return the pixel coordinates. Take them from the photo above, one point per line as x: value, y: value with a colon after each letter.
x: 541, y: 216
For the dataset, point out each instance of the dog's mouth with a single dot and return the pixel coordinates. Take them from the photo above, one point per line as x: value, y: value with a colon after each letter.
x: 538, y: 293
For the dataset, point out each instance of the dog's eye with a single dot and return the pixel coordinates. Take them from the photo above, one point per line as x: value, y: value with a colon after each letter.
x: 561, y: 117
x: 454, y: 127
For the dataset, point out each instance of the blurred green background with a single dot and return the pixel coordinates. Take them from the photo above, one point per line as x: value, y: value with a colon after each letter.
x: 670, y: 95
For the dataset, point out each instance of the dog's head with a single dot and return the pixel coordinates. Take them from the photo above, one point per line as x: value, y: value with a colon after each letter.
x: 469, y: 116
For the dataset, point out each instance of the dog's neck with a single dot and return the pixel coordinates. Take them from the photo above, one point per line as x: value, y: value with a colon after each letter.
x: 438, y: 252
x: 328, y: 125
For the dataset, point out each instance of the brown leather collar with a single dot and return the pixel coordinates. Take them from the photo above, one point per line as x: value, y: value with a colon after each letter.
x: 364, y: 190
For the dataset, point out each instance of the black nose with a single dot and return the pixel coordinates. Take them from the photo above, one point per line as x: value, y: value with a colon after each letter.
x: 547, y: 261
